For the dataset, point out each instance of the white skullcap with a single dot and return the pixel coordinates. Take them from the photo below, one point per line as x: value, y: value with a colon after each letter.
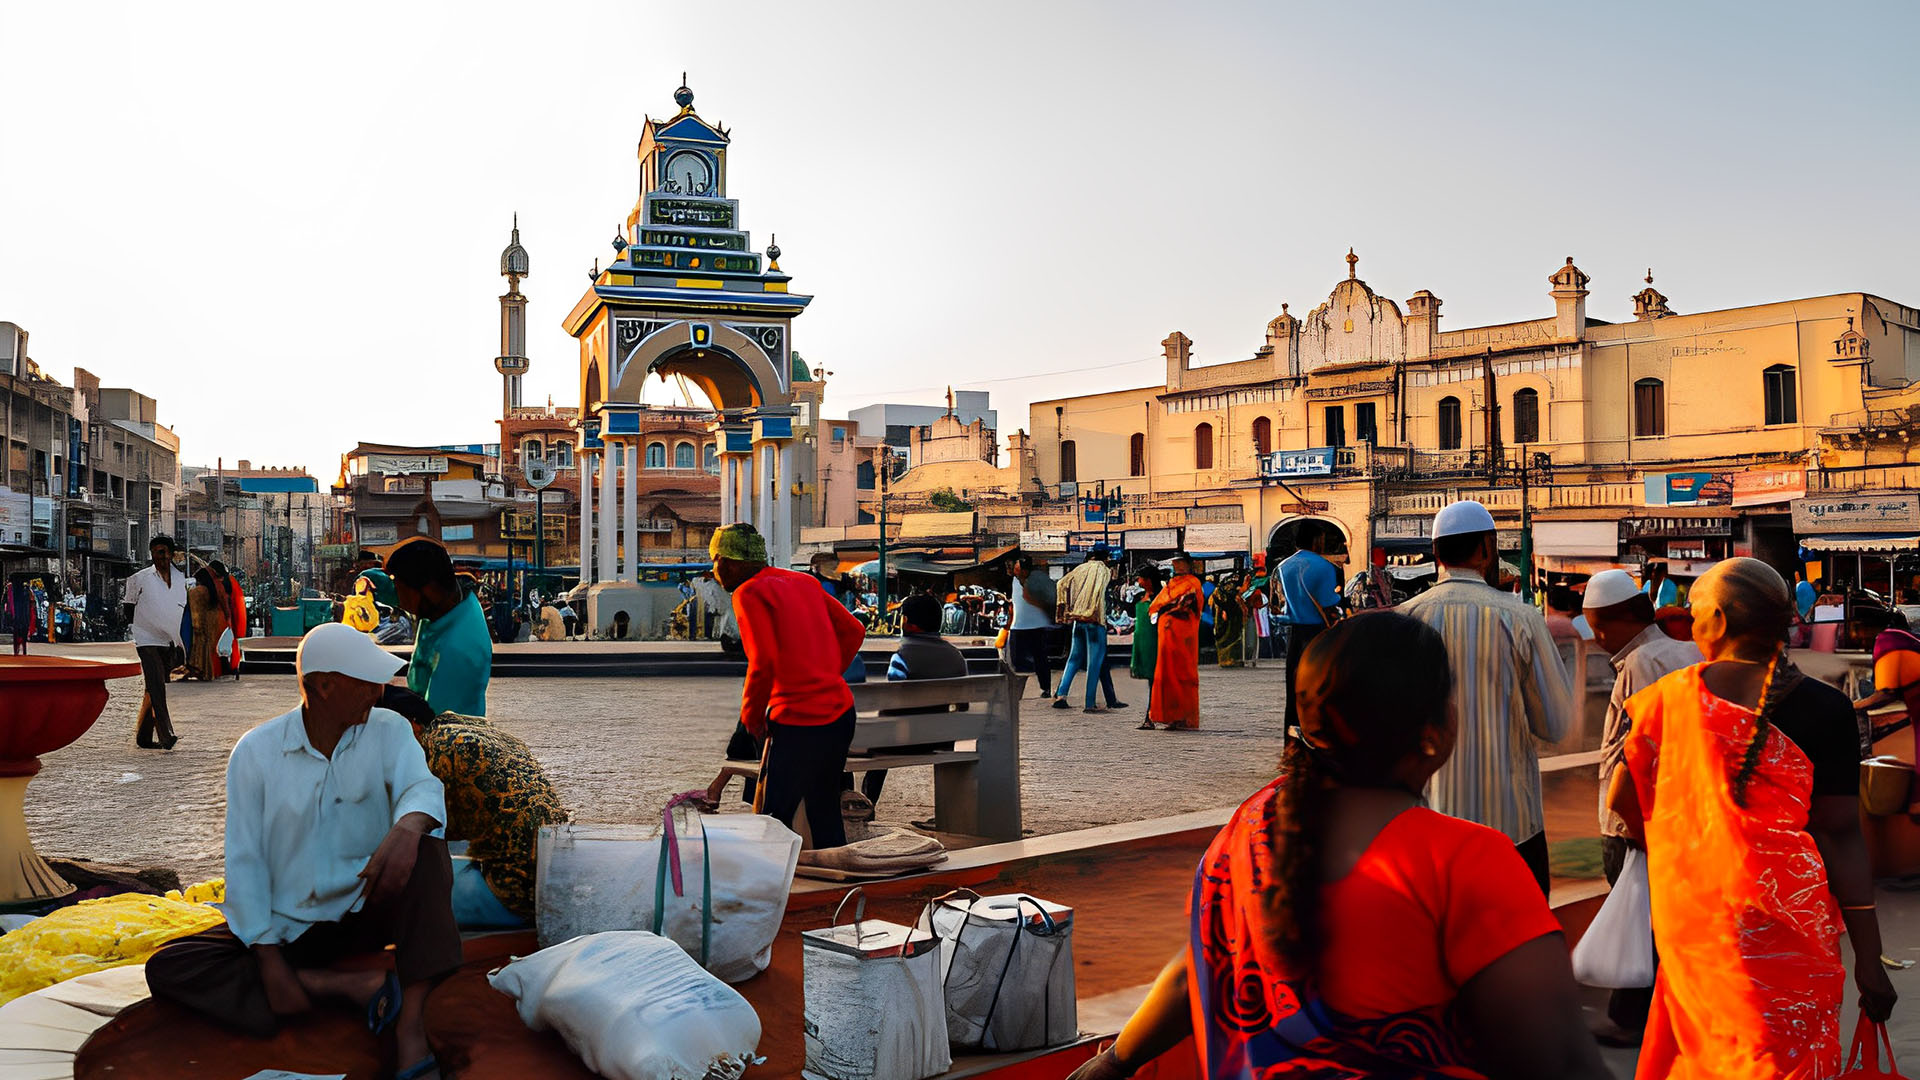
x: 1609, y: 587
x: 1465, y: 516
x: 340, y: 648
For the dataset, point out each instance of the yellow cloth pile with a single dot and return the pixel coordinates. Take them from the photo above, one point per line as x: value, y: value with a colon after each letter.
x: 94, y: 935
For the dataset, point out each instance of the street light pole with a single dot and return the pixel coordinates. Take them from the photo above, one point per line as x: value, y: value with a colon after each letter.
x: 881, y: 485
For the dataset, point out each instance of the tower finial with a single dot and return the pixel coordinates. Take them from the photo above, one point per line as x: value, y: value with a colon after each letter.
x: 683, y: 97
x: 1353, y: 264
x: 1649, y: 275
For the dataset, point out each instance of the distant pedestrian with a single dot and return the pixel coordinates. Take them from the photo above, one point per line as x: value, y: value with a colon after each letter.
x: 156, y: 603
x: 208, y: 610
x: 20, y: 614
x: 1311, y: 587
x: 1146, y: 636
x: 1804, y: 595
x: 1509, y: 687
x: 1229, y: 623
x: 452, y: 652
x: 1176, y: 615
x: 1082, y: 606
x: 1659, y: 587
x: 1033, y: 604
x: 236, y: 612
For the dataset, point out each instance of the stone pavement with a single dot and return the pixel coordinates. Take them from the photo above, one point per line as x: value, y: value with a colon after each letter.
x: 618, y: 748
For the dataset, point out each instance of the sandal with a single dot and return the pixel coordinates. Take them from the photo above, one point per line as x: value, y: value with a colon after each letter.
x: 383, y: 1009
x: 419, y: 1069
x: 1145, y: 725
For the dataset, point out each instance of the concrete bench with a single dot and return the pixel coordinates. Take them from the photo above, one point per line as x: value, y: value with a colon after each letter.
x: 976, y: 792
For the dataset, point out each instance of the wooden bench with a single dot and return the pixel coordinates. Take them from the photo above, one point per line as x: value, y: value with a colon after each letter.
x: 976, y: 792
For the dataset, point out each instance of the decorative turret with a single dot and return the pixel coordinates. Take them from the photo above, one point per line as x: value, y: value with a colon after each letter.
x: 513, y: 261
x: 1851, y: 346
x: 1178, y: 347
x: 1569, y: 301
x: 1423, y: 324
x: 1648, y: 304
x: 512, y: 363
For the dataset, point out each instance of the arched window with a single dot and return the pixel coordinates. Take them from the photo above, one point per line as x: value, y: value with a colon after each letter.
x: 683, y: 455
x: 1449, y: 423
x: 1783, y: 405
x: 1526, y: 415
x: 713, y: 458
x: 1203, y: 446
x: 656, y: 455
x: 1069, y: 462
x: 530, y: 449
x: 1262, y: 435
x: 1649, y: 408
x: 563, y: 455
x: 1137, y: 454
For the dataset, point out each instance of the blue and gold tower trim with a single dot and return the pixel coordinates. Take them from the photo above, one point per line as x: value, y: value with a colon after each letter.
x: 687, y: 295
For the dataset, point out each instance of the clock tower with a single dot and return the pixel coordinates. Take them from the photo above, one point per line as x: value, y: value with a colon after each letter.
x: 512, y: 363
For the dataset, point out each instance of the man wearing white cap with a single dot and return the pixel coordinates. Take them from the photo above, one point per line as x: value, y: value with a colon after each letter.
x: 330, y: 852
x: 1509, y: 686
x: 1621, y: 616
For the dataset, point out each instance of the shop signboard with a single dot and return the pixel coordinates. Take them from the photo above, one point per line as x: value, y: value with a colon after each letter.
x: 1660, y: 528
x: 1403, y: 528
x: 379, y: 533
x: 1220, y: 513
x: 1317, y: 461
x: 1043, y: 542
x: 1689, y: 489
x: 1759, y: 487
x: 1221, y: 536
x: 406, y: 464
x: 1153, y: 539
x: 1863, y: 512
x: 1157, y: 517
x: 1084, y: 541
x: 1059, y: 523
x: 456, y: 532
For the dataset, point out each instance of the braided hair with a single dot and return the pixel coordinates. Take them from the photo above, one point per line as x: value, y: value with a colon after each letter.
x: 1369, y: 688
x: 1755, y: 602
x: 1770, y: 694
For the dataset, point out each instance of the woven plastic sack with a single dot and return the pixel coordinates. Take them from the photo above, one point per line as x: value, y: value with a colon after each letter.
x: 1617, y: 949
x: 874, y: 1009
x: 1007, y: 966
x: 634, y: 1006
x: 95, y: 935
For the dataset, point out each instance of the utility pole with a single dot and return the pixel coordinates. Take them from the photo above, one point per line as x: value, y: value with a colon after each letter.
x: 881, y: 485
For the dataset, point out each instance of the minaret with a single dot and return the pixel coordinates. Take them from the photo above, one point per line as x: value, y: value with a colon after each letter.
x: 512, y: 362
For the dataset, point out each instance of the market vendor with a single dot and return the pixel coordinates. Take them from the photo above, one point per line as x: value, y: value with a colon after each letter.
x: 453, y: 650
x: 331, y: 851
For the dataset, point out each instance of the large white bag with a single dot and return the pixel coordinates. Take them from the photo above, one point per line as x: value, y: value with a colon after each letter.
x: 874, y: 1008
x: 634, y: 1006
x: 1617, y: 949
x: 1007, y: 965
x: 722, y: 898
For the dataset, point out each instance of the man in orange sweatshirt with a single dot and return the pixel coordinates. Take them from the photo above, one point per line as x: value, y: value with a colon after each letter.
x: 798, y: 641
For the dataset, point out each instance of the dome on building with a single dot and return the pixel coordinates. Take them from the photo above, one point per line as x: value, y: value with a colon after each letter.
x: 514, y: 259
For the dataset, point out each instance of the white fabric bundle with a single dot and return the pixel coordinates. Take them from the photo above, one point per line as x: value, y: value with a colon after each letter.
x: 634, y: 1006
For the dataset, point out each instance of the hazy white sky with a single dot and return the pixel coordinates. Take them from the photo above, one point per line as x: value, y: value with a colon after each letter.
x: 285, y: 222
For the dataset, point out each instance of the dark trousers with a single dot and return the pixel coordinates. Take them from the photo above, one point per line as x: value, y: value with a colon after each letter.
x: 804, y: 767
x: 1029, y: 651
x: 1626, y: 1008
x: 1533, y: 852
x: 1299, y: 636
x: 213, y: 974
x: 156, y: 661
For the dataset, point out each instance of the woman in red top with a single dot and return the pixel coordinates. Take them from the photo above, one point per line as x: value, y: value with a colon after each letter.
x: 1341, y: 929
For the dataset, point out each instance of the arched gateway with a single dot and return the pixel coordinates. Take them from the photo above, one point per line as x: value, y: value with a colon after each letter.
x: 687, y: 296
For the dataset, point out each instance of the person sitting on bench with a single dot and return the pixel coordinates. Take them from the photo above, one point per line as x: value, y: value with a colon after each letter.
x: 923, y: 654
x: 330, y: 852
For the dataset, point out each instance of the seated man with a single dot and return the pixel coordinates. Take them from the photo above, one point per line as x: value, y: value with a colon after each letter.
x: 453, y: 650
x: 497, y: 799
x: 330, y: 811
x: 923, y: 654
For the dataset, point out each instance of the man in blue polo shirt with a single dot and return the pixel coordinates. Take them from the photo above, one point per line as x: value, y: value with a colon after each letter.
x: 1311, y: 587
x: 452, y: 650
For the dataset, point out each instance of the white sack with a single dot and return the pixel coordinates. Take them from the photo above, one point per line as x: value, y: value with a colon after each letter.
x: 634, y: 1007
x: 594, y: 878
x: 1617, y: 949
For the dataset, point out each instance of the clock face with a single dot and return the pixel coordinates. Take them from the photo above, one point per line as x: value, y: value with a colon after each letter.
x: 688, y: 173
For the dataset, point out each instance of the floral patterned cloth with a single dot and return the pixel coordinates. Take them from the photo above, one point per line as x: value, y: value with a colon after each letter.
x: 497, y: 799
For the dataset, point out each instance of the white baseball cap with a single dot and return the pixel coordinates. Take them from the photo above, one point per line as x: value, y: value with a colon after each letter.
x: 1465, y: 516
x: 340, y: 648
x: 1609, y: 587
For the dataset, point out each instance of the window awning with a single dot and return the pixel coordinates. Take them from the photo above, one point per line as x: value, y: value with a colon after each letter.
x: 1863, y: 542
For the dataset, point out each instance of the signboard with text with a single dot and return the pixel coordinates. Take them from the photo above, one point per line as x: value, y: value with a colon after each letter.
x: 1689, y: 489
x: 406, y: 464
x: 1317, y: 461
x: 1758, y: 487
x: 1153, y: 539
x: 1863, y: 512
x: 1221, y: 536
x: 1043, y: 542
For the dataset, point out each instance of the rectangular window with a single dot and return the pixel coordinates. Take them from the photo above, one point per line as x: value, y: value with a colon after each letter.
x: 1782, y: 406
x: 1069, y: 461
x: 1363, y: 423
x: 1336, y: 431
x: 1649, y: 409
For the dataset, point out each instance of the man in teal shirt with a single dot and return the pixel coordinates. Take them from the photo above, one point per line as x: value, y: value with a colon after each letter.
x: 452, y: 651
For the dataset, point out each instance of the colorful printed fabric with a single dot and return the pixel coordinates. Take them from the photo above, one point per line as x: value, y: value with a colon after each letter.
x: 1176, y: 667
x: 1750, y: 975
x: 1433, y: 900
x: 497, y: 799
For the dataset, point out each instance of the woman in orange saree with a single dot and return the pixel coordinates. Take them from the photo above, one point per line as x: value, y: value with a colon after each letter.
x: 236, y: 611
x: 1747, y: 773
x: 1176, y: 667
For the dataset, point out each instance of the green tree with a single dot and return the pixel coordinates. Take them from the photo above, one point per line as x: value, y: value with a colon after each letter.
x: 946, y: 502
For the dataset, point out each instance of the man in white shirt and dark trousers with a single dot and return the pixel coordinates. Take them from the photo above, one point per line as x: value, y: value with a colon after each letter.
x: 156, y: 601
x: 331, y: 816
x: 1033, y: 603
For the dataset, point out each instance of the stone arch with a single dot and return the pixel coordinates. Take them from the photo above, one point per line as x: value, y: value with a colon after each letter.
x: 732, y: 370
x: 1281, y: 540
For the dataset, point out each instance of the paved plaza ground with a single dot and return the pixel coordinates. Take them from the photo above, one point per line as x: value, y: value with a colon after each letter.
x: 620, y: 747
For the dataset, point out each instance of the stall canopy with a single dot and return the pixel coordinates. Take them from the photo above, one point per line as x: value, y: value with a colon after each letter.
x: 1867, y: 543
x: 1586, y: 539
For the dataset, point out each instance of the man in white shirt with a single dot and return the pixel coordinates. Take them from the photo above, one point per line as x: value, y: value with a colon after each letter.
x: 331, y: 816
x: 156, y: 601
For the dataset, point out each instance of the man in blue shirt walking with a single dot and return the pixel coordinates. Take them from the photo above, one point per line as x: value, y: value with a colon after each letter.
x: 1311, y: 587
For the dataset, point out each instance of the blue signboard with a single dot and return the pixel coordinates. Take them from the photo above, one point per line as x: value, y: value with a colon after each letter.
x: 1317, y: 461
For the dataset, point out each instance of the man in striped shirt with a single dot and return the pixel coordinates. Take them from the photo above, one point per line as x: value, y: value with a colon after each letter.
x: 1509, y: 687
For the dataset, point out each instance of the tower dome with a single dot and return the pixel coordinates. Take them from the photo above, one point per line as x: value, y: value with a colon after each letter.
x: 513, y: 261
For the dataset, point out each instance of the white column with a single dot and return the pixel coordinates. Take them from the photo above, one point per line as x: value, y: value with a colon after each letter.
x: 783, y: 506
x: 630, y: 506
x: 727, y: 480
x: 585, y: 465
x: 609, y: 512
x: 747, y: 504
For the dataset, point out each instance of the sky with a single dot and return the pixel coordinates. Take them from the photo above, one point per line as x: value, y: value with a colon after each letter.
x: 285, y: 222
